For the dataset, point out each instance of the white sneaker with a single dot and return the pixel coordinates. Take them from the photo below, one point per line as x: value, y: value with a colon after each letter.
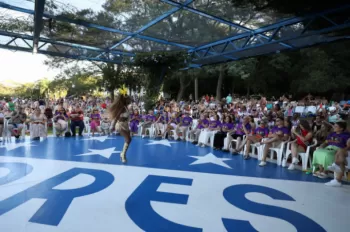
x: 262, y: 164
x: 295, y: 160
x: 334, y: 168
x: 333, y: 183
x: 284, y: 162
x: 291, y: 167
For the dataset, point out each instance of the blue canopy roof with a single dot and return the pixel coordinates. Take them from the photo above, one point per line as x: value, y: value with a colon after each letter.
x: 210, y: 31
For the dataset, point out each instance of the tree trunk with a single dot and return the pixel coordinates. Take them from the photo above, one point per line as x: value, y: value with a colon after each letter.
x: 112, y: 95
x: 219, y: 84
x: 183, y: 87
x: 233, y: 86
x: 248, y: 90
x: 196, y: 89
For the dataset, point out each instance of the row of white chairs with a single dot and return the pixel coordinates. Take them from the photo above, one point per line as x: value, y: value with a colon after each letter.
x: 282, y: 151
x: 6, y: 134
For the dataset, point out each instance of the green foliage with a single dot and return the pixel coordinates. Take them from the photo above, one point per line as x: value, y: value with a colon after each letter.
x: 159, y: 67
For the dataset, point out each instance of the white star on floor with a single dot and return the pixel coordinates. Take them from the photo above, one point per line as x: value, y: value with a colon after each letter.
x: 107, y: 153
x: 210, y: 158
x: 163, y: 142
x: 99, y: 138
x: 12, y: 146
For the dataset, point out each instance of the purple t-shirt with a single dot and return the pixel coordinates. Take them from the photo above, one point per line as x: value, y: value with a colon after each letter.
x: 150, y: 118
x: 204, y: 122
x: 214, y: 124
x: 338, y: 140
x: 262, y: 131
x: 227, y: 126
x: 162, y: 119
x: 135, y: 117
x: 95, y: 116
x: 239, y: 128
x: 276, y: 130
x: 186, y: 121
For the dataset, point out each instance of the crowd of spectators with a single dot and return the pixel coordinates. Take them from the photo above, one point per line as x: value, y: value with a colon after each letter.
x: 281, y: 131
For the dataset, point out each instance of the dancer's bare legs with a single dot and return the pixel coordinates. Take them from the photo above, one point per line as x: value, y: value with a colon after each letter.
x: 127, y: 141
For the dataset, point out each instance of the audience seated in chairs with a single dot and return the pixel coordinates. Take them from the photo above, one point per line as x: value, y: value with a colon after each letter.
x: 166, y: 119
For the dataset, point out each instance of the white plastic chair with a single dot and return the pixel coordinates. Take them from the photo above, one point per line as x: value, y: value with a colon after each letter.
x: 233, y: 141
x: 31, y: 131
x: 7, y: 132
x: 6, y: 136
x: 54, y: 128
x: 254, y: 147
x: 305, y: 156
x: 279, y: 151
x: 87, y: 125
x: 192, y: 127
x: 289, y: 149
x: 151, y: 131
x: 312, y: 109
x: 300, y: 110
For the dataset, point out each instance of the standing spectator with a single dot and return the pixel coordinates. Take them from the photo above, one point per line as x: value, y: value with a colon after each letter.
x: 11, y: 105
x: 77, y: 120
x: 229, y: 99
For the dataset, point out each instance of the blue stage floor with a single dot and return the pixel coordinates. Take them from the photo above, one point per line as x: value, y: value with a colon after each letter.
x: 79, y: 185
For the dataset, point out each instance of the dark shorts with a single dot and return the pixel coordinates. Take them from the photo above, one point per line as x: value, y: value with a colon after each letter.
x: 236, y: 136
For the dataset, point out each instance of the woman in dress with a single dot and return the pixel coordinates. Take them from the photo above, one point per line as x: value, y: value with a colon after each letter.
x: 120, y: 113
x: 37, y: 125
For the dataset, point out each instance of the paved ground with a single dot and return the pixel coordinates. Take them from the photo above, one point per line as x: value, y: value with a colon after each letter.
x: 79, y: 184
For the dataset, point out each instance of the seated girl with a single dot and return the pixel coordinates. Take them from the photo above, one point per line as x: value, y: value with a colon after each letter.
x: 105, y: 126
x: 219, y: 137
x: 60, y: 121
x: 277, y: 135
x: 202, y: 124
x: 95, y: 119
x: 259, y: 133
x: 149, y: 119
x: 185, y: 122
x: 214, y: 126
x: 175, y: 119
x: 332, y: 154
x: 302, y: 141
x: 161, y: 123
x: 241, y: 129
x: 134, y: 122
